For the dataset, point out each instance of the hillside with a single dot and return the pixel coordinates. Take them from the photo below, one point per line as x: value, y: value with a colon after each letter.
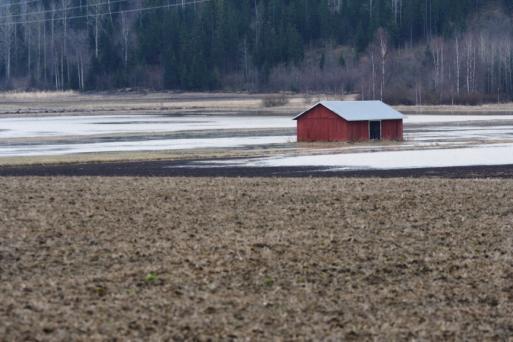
x: 409, y: 52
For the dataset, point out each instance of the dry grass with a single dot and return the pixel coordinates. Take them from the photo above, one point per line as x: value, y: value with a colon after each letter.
x: 497, y: 109
x: 72, y: 103
x: 275, y: 101
x: 43, y: 104
x: 36, y: 95
x: 160, y: 259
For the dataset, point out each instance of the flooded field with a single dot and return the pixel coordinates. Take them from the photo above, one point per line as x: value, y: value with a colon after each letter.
x: 93, y: 134
x: 236, y: 130
x: 430, y: 140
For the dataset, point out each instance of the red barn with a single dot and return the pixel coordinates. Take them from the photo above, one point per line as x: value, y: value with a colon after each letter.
x: 349, y: 121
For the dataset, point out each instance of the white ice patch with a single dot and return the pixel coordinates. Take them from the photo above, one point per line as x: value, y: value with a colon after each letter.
x: 462, y: 133
x: 431, y: 119
x: 500, y: 154
x: 147, y: 145
x: 25, y: 127
x: 119, y: 127
x: 114, y: 124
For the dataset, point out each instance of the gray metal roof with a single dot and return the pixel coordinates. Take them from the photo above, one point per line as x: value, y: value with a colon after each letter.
x: 360, y: 110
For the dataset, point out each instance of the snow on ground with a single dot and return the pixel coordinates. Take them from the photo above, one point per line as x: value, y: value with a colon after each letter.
x: 91, y: 125
x: 149, y: 145
x: 26, y: 127
x: 431, y: 119
x: 488, y: 133
x: 499, y: 154
x: 432, y: 130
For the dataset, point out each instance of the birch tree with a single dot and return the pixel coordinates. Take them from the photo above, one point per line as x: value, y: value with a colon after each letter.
x: 457, y: 46
x: 7, y: 29
x: 382, y: 39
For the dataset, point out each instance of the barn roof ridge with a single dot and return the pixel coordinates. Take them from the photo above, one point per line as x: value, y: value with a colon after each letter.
x: 359, y: 110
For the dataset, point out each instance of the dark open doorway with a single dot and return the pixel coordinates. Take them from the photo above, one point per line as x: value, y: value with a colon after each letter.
x: 375, y: 130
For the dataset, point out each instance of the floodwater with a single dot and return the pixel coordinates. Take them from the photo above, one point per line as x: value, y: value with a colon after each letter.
x: 60, y: 126
x: 61, y: 135
x: 487, y: 154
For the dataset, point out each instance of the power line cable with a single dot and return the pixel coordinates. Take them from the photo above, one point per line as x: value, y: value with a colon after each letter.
x: 63, y: 9
x: 133, y: 10
x: 19, y: 3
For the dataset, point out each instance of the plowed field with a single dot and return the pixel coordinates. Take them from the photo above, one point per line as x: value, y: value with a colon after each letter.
x: 193, y: 258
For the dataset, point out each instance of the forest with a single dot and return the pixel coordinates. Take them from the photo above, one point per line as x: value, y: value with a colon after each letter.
x: 400, y: 51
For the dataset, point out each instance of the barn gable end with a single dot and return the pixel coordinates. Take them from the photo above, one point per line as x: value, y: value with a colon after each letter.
x: 321, y: 124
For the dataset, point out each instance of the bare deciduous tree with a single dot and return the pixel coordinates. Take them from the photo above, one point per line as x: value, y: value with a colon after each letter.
x: 7, y: 28
x: 382, y: 39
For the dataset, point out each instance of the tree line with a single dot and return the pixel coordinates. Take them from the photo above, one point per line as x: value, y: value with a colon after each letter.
x: 414, y: 51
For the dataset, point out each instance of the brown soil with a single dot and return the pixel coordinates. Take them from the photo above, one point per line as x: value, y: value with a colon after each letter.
x: 185, y: 258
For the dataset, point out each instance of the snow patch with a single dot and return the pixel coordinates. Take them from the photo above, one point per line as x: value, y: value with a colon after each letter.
x: 148, y: 145
x: 419, y: 119
x: 111, y: 124
x: 499, y: 154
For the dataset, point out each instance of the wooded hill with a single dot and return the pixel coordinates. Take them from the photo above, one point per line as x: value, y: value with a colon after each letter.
x: 408, y: 51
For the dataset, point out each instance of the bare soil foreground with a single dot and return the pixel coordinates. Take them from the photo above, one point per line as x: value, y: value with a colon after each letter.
x: 309, y: 258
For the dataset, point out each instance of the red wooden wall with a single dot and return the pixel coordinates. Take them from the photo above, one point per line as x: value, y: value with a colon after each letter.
x: 358, y: 130
x: 321, y: 124
x: 392, y: 130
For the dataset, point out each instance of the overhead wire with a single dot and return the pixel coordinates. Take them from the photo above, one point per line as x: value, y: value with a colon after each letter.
x: 63, y: 9
x: 19, y: 3
x: 95, y: 15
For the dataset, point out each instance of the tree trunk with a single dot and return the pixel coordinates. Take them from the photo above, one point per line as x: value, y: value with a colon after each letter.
x: 457, y: 66
x: 96, y: 37
x: 383, y: 44
x: 8, y: 63
x: 373, y: 76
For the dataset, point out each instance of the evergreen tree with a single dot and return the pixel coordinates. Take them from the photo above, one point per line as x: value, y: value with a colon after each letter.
x: 195, y: 46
